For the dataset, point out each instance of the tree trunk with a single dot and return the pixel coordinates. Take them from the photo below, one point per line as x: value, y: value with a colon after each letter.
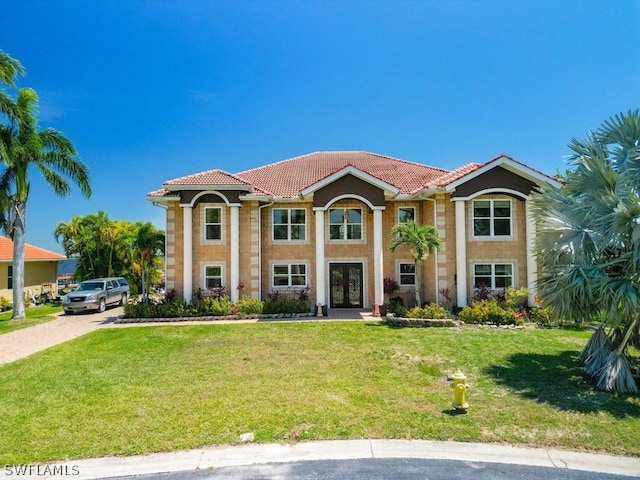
x: 418, y: 300
x: 17, y: 235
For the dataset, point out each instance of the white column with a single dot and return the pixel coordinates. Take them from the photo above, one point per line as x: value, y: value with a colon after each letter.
x: 234, y: 241
x: 320, y: 273
x: 378, y: 274
x: 187, y: 252
x: 532, y: 266
x: 461, y: 253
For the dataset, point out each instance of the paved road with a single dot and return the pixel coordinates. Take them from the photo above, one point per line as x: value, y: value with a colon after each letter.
x: 382, y: 469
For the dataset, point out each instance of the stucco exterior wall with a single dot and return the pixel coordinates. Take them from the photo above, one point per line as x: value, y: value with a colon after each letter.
x: 35, y: 274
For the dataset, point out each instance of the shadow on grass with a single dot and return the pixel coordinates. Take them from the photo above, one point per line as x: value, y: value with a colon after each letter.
x: 556, y: 379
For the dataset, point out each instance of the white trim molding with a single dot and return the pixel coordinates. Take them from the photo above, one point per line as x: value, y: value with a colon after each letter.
x: 461, y: 252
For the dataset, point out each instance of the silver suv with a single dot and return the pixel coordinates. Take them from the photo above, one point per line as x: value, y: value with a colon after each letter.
x: 96, y: 295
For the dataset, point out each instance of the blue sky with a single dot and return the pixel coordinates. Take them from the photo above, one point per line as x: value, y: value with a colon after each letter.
x: 150, y: 90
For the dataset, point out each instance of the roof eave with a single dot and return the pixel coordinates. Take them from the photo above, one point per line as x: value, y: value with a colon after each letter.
x: 195, y: 186
x: 508, y: 164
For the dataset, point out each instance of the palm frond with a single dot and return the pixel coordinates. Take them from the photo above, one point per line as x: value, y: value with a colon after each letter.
x: 616, y: 374
x: 10, y: 68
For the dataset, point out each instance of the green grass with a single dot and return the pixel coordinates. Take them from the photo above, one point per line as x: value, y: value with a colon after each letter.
x: 35, y: 315
x: 149, y: 389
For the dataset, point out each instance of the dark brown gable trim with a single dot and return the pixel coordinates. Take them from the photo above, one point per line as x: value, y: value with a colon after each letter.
x: 348, y: 185
x: 232, y: 196
x: 497, y: 177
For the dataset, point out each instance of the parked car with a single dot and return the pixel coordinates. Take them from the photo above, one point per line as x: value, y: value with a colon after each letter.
x: 96, y: 295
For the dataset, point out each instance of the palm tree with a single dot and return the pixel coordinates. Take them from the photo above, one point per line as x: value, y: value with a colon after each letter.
x: 423, y: 240
x: 23, y: 146
x: 149, y: 242
x: 588, y: 246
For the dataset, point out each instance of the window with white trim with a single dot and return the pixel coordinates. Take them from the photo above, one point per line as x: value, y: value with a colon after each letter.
x: 492, y: 218
x: 345, y: 224
x: 406, y: 214
x: 493, y: 275
x: 289, y: 275
x: 213, y: 223
x: 212, y: 276
x: 407, y: 274
x: 289, y: 224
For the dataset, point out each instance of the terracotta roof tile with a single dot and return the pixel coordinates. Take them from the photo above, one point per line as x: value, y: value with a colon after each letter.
x: 210, y: 177
x: 31, y: 252
x: 288, y: 177
x: 449, y: 177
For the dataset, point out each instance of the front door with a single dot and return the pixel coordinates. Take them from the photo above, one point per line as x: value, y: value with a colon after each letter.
x: 346, y: 285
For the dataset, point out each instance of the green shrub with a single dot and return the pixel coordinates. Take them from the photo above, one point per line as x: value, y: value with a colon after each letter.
x: 250, y: 306
x: 487, y: 311
x: 277, y: 303
x: 396, y: 306
x: 215, y: 306
x: 175, y: 308
x: 431, y: 310
x: 516, y: 298
x: 5, y: 304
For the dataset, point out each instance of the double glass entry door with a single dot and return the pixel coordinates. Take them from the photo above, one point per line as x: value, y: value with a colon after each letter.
x: 346, y: 285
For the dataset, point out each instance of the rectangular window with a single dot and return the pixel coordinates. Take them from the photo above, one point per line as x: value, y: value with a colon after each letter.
x: 290, y: 275
x: 492, y: 218
x: 213, y: 223
x: 345, y: 224
x: 10, y: 277
x: 406, y: 214
x: 407, y: 274
x: 212, y: 276
x: 493, y: 275
x: 289, y: 224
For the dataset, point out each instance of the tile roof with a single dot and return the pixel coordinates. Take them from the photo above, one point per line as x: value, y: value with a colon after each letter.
x: 449, y: 177
x: 31, y: 252
x: 288, y: 177
x: 210, y: 177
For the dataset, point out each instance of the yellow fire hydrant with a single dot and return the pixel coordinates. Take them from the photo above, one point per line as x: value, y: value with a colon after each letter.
x: 460, y: 387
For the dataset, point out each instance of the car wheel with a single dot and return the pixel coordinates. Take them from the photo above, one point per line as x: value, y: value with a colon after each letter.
x: 102, y: 306
x: 123, y: 299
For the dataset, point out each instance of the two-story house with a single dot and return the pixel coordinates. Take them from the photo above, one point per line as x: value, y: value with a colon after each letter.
x: 324, y: 220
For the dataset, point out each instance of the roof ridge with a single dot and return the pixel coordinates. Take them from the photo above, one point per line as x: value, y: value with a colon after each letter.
x: 216, y: 170
x: 373, y: 154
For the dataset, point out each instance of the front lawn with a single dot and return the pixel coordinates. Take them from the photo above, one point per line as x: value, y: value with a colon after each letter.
x: 148, y: 389
x: 38, y: 314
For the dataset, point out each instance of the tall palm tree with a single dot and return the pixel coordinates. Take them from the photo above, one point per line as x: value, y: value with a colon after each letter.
x: 588, y: 245
x: 23, y: 147
x: 423, y: 240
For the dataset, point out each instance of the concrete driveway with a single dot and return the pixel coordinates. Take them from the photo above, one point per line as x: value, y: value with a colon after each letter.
x: 27, y: 341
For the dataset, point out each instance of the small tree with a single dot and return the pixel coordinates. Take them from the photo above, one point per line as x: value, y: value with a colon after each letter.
x: 422, y: 240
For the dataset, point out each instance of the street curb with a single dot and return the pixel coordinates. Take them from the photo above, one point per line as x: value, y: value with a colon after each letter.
x: 254, y: 454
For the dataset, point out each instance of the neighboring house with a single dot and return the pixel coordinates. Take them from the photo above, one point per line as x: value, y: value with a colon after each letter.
x: 324, y: 219
x: 40, y: 269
